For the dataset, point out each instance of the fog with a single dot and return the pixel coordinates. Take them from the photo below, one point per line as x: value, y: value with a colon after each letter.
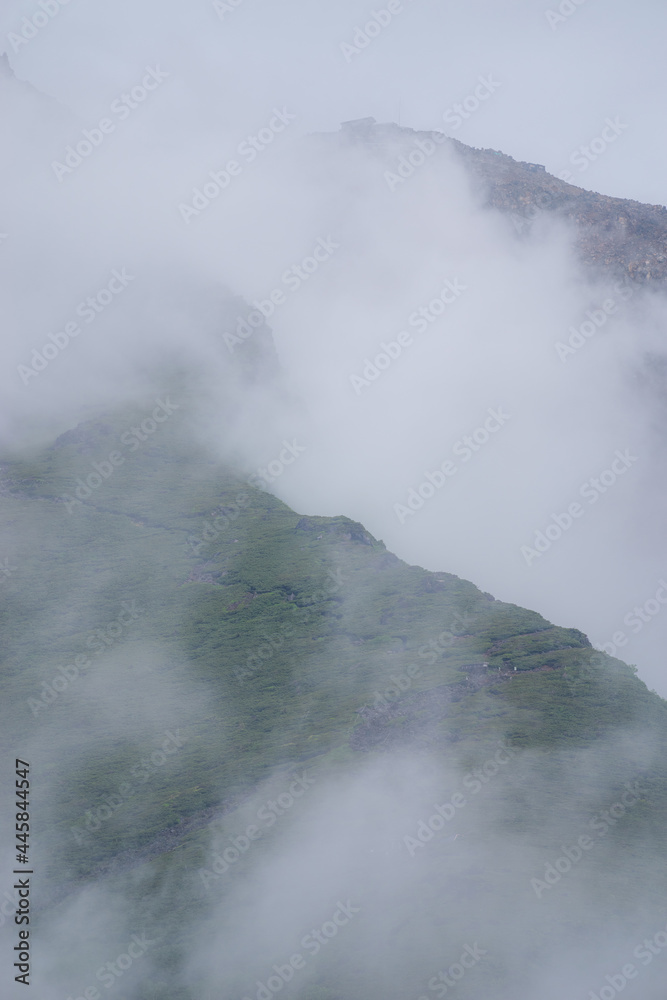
x: 118, y: 262
x: 122, y: 208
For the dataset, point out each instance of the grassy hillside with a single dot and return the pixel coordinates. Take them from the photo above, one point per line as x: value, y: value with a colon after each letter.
x: 180, y: 643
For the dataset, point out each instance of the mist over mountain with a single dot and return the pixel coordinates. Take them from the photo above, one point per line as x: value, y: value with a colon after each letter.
x: 331, y: 468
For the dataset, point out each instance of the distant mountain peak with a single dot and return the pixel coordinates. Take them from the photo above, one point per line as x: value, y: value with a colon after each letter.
x: 617, y: 235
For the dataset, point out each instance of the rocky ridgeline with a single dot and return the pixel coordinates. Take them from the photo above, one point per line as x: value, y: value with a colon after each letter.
x: 613, y: 234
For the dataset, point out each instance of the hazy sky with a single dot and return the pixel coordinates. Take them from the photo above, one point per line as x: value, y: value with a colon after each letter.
x: 560, y: 76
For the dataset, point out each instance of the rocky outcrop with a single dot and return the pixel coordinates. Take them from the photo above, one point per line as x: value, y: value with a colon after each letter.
x: 625, y: 237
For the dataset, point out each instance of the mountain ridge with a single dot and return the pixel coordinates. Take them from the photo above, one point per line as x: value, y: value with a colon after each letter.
x: 626, y: 237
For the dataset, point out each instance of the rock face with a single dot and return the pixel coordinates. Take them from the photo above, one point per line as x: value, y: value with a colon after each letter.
x: 625, y: 237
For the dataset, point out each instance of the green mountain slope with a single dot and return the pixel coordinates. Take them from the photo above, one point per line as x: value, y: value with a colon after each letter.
x: 180, y: 644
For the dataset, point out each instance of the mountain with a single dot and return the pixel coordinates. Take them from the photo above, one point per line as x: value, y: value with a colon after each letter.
x: 613, y: 235
x: 267, y: 755
x: 179, y: 645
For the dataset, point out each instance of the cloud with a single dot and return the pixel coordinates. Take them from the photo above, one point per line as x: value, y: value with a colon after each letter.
x: 306, y: 233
